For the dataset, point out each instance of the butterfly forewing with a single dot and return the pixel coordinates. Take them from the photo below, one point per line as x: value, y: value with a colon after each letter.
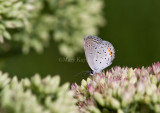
x: 90, y: 46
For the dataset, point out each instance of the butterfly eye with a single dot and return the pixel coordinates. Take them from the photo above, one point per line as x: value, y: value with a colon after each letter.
x: 91, y: 72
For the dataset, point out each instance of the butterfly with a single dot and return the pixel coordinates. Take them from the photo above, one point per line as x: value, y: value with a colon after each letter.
x: 99, y: 53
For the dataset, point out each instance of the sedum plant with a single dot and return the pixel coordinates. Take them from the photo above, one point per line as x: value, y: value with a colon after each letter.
x: 120, y: 90
x: 33, y: 23
x: 35, y: 95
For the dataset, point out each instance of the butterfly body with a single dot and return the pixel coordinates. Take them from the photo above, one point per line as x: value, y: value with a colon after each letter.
x: 99, y: 53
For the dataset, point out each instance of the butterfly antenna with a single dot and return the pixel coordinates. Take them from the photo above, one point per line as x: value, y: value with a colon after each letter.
x: 83, y: 73
x: 87, y: 73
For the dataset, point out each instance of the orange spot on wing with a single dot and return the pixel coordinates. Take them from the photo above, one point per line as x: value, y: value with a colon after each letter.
x: 109, y: 52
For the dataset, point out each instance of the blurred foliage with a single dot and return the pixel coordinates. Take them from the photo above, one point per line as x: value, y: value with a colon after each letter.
x: 35, y: 95
x: 132, y: 27
x: 121, y: 90
x: 32, y: 23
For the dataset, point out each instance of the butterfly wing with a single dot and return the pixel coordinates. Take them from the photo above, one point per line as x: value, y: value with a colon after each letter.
x: 91, y: 44
x: 103, y: 56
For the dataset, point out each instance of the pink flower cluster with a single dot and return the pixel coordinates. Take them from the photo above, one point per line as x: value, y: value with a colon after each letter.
x: 119, y: 88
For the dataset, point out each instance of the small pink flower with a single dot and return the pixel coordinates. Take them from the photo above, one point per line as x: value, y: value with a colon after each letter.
x: 90, y: 89
x: 150, y: 70
x: 156, y: 68
x: 138, y: 71
x: 74, y: 87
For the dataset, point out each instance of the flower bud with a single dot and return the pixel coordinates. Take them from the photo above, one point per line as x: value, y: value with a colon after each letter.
x: 99, y: 98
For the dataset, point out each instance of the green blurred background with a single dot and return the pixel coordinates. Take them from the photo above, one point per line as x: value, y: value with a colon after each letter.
x: 133, y: 27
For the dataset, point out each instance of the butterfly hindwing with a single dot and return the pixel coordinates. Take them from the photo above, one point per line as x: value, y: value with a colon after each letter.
x: 104, y: 56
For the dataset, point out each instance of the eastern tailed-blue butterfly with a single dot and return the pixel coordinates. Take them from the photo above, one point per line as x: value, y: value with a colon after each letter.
x: 99, y: 53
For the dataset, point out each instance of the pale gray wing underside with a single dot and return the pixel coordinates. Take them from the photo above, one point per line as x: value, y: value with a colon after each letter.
x: 99, y: 53
x: 103, y: 56
x: 90, y: 46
